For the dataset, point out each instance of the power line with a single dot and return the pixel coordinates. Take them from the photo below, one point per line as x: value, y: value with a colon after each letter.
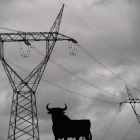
x: 105, y: 67
x: 80, y: 94
x: 110, y: 46
x: 82, y: 79
x: 9, y: 29
x: 18, y: 28
x: 116, y: 113
x: 89, y: 53
x: 75, y: 92
x: 84, y: 66
x: 127, y: 134
x: 104, y: 127
x: 10, y: 23
x: 99, y: 35
x: 103, y: 38
x: 94, y: 59
x: 60, y: 86
x: 89, y: 28
x: 58, y: 2
x: 71, y: 73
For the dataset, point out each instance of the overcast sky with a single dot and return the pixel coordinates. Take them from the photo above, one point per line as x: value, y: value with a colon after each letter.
x: 113, y: 41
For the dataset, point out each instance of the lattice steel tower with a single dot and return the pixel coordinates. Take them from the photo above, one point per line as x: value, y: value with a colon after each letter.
x: 132, y: 101
x: 23, y: 119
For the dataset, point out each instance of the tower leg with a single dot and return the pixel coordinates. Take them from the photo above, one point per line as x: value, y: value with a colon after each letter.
x: 23, y: 119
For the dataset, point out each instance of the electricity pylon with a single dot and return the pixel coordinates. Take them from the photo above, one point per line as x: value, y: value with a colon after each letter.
x: 24, y: 119
x: 132, y: 102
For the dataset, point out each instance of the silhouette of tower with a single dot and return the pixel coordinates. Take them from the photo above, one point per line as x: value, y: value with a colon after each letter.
x: 132, y: 102
x: 24, y: 119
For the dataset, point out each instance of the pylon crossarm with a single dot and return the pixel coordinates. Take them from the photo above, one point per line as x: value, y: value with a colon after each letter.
x: 124, y: 102
x: 33, y: 36
x: 131, y: 101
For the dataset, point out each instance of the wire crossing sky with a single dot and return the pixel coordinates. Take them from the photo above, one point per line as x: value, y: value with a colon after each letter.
x: 99, y: 36
x: 60, y: 86
x: 115, y: 23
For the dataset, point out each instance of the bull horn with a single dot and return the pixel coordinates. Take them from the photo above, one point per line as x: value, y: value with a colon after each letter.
x: 48, y: 107
x: 65, y: 107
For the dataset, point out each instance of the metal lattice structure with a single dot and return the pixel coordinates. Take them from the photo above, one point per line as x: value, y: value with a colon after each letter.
x: 24, y: 119
x: 132, y: 102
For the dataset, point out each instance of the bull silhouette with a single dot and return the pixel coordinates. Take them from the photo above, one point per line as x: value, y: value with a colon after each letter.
x: 64, y: 127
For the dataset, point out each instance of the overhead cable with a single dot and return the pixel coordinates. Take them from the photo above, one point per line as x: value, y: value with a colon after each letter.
x: 98, y: 60
x: 116, y: 113
x: 71, y: 73
x: 10, y: 23
x: 60, y: 86
x: 103, y: 38
x: 99, y: 35
x: 105, y: 76
x: 131, y: 128
x: 9, y: 29
x: 105, y: 67
x: 81, y: 79
x: 58, y: 2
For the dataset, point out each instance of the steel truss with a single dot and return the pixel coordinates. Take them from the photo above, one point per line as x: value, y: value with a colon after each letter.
x: 23, y: 119
x: 132, y: 102
x: 34, y: 36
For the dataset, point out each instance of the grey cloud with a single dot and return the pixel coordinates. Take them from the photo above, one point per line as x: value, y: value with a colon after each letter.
x: 100, y: 2
x: 133, y: 2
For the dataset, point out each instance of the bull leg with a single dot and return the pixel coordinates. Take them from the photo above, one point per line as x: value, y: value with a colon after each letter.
x: 65, y: 138
x: 77, y: 138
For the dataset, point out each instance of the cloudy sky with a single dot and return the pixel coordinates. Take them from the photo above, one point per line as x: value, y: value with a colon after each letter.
x: 109, y: 30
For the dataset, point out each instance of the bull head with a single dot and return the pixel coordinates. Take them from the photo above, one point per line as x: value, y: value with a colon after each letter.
x: 56, y: 110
